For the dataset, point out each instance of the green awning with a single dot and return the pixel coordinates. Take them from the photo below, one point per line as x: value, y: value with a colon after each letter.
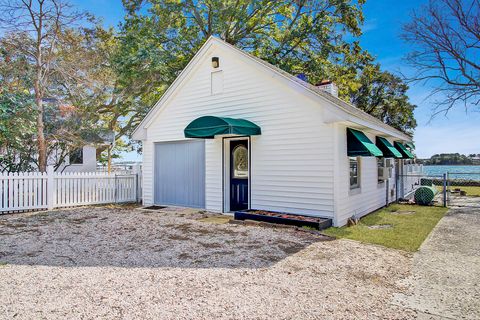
x: 358, y: 145
x: 208, y: 127
x: 410, y: 145
x: 403, y: 150
x: 386, y: 147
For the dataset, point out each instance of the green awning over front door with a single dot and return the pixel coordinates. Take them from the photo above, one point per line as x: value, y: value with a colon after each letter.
x: 208, y: 127
x: 403, y: 150
x: 358, y: 145
x: 388, y: 150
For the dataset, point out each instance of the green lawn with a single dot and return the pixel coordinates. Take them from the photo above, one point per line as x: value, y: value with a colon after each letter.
x: 408, y: 231
x: 471, y: 191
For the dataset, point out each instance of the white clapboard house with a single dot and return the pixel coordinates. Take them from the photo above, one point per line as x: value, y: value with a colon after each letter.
x: 234, y: 132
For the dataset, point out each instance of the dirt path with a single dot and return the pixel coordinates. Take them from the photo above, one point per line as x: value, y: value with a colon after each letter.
x: 446, y: 269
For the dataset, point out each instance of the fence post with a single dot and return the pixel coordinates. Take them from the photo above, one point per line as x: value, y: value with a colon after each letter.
x: 115, y: 194
x: 448, y: 188
x: 386, y: 191
x: 137, y: 172
x: 444, y: 189
x: 397, y: 182
x: 50, y: 187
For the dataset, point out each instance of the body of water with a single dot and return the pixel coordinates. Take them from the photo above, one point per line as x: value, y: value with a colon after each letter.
x: 455, y: 172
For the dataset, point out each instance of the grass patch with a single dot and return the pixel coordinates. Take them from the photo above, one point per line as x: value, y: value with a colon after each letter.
x: 407, y: 233
x: 471, y: 191
x: 309, y: 228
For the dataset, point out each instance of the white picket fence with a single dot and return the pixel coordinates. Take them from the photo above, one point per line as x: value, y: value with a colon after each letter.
x: 34, y: 190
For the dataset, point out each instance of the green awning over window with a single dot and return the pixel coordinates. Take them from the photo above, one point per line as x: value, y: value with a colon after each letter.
x: 208, y: 127
x: 358, y: 145
x: 386, y: 147
x: 410, y: 145
x: 403, y: 150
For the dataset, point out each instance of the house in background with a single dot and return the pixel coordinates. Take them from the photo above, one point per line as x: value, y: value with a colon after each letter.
x: 80, y: 160
x: 234, y: 132
x: 83, y: 159
x: 66, y: 152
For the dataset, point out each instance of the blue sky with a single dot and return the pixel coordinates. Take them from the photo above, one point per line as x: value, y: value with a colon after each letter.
x: 383, y: 20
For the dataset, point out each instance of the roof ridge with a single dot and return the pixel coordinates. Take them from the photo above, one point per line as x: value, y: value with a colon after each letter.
x: 341, y: 103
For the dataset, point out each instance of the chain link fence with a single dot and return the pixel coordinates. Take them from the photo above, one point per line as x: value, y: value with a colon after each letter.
x: 448, y: 189
x: 422, y: 189
x: 463, y: 189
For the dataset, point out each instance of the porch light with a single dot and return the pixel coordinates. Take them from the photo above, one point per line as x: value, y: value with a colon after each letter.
x: 215, y: 62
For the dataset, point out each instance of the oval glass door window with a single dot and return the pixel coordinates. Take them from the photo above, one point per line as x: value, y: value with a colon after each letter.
x: 240, y: 162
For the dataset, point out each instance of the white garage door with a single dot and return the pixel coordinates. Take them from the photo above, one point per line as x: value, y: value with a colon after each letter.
x: 180, y: 173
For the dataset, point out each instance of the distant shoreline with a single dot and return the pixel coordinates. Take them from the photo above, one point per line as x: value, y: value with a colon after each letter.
x: 449, y: 165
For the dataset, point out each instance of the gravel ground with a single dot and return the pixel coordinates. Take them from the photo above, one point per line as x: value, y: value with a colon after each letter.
x: 117, y: 263
x: 446, y: 269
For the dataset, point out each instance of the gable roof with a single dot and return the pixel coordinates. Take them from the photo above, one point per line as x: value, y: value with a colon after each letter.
x: 342, y: 105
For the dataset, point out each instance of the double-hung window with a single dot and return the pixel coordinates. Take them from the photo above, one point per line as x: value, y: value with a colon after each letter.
x: 380, y: 169
x: 354, y: 172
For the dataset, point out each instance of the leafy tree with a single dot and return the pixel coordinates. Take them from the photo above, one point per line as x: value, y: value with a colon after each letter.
x: 17, y: 112
x: 449, y: 159
x: 17, y: 130
x: 96, y: 91
x: 445, y: 35
x: 159, y: 37
x: 298, y: 36
x: 69, y: 120
x: 384, y: 96
x: 34, y: 29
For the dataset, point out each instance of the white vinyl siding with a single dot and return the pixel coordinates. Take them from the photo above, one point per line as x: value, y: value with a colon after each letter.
x: 147, y: 172
x: 292, y: 161
x: 217, y: 82
x: 213, y: 174
x: 370, y: 195
x: 89, y: 162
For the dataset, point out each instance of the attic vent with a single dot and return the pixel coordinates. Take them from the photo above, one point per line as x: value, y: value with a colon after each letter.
x: 329, y: 86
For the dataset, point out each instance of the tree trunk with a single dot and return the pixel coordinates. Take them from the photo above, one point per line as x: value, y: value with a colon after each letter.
x: 109, y: 159
x: 42, y: 146
x: 39, y: 90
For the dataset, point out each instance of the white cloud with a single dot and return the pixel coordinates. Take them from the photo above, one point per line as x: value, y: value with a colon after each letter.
x: 369, y: 25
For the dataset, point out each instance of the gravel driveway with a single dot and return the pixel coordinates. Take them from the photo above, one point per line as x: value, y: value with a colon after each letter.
x: 117, y: 263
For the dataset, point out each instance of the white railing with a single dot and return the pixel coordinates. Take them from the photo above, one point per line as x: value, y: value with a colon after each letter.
x: 32, y: 190
x: 413, y: 168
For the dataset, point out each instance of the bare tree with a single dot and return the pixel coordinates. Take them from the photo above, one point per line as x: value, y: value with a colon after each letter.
x: 34, y: 28
x: 446, y: 38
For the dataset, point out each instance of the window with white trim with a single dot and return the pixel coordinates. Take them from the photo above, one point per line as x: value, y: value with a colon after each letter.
x: 76, y: 156
x: 354, y: 172
x: 381, y: 168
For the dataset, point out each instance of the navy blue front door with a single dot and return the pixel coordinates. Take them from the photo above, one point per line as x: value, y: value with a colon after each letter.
x: 238, y: 175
